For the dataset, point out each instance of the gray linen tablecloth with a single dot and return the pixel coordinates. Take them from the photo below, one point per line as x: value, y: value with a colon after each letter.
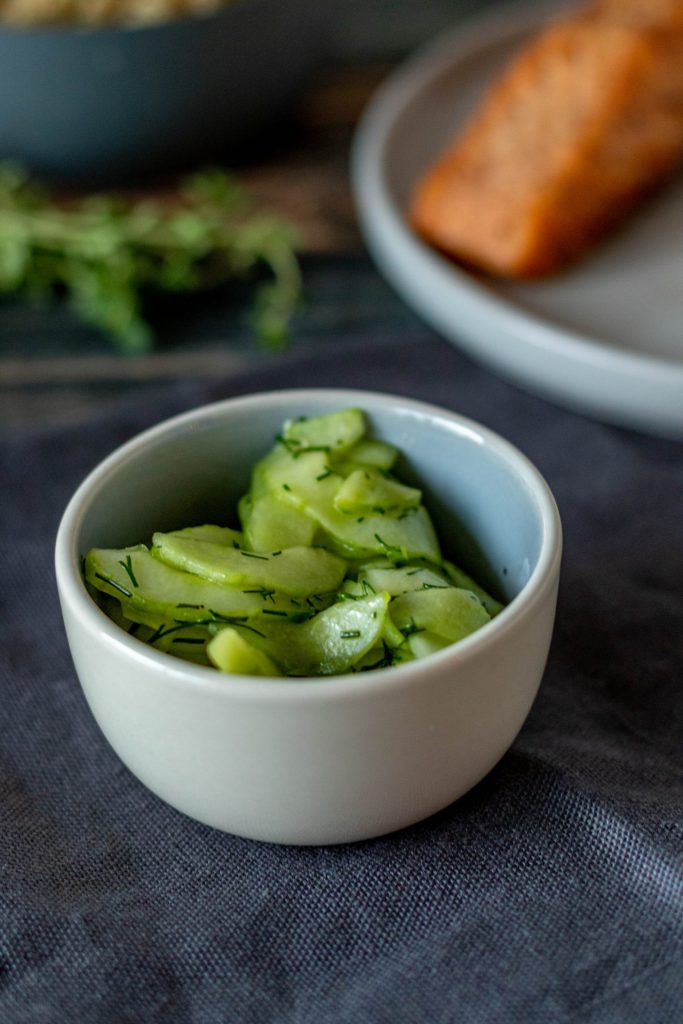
x: 553, y: 892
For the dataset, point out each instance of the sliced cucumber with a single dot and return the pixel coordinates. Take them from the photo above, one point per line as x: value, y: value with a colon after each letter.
x: 369, y: 452
x: 187, y: 642
x: 330, y: 643
x: 401, y: 580
x: 337, y: 568
x: 424, y: 643
x: 298, y: 571
x: 221, y: 535
x: 158, y: 589
x: 449, y: 612
x: 271, y: 524
x: 309, y: 484
x: 231, y: 652
x: 334, y: 432
x: 461, y: 579
x: 366, y: 490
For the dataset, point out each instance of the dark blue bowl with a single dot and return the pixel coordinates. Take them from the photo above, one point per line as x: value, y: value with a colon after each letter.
x: 117, y: 103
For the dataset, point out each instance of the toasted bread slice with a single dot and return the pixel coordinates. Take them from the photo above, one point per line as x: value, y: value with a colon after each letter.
x: 584, y: 122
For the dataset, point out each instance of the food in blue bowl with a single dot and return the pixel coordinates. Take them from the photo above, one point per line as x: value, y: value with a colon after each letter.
x: 110, y: 102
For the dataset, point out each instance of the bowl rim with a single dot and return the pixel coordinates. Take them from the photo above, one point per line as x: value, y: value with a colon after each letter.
x: 333, y: 687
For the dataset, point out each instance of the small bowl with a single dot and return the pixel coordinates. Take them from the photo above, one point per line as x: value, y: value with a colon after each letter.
x: 331, y: 759
x: 117, y: 102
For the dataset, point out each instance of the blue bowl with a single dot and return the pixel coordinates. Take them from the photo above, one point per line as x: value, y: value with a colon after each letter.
x: 115, y: 103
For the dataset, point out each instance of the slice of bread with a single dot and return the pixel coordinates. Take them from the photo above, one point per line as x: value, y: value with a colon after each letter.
x: 584, y: 122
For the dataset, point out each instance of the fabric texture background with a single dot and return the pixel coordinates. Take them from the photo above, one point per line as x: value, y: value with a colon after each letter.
x: 553, y: 892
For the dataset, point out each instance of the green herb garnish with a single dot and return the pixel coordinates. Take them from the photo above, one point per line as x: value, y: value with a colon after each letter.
x: 264, y: 592
x: 113, y: 583
x: 127, y: 565
x: 391, y: 549
x: 105, y: 253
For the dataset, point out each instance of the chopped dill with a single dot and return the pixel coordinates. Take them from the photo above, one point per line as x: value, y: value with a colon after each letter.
x: 388, y: 547
x: 411, y: 629
x: 114, y: 584
x: 239, y: 621
x: 127, y: 565
x: 160, y: 632
x: 385, y: 661
x: 297, y: 617
x: 264, y: 592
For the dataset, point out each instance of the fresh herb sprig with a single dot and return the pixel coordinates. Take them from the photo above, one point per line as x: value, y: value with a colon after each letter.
x: 103, y: 253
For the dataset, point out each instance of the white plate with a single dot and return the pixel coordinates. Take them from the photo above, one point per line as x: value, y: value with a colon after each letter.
x: 606, y: 337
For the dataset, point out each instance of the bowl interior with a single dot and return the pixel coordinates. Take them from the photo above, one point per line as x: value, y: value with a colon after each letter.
x: 479, y: 490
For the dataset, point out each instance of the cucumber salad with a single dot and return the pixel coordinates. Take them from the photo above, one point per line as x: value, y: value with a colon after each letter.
x: 336, y: 568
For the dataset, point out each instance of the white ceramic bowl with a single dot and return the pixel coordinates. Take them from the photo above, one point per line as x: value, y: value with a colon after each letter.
x: 333, y: 759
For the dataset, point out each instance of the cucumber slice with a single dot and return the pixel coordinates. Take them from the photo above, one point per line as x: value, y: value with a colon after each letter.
x: 117, y: 612
x: 270, y: 525
x: 369, y: 452
x: 298, y: 571
x: 461, y: 579
x: 179, y: 597
x: 306, y: 482
x: 424, y: 643
x: 395, y: 580
x: 187, y: 642
x: 221, y: 535
x: 184, y: 641
x: 449, y: 612
x: 366, y: 490
x: 230, y: 652
x: 391, y: 634
x: 330, y: 643
x: 337, y: 568
x: 383, y: 656
x: 309, y: 484
x: 334, y: 432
